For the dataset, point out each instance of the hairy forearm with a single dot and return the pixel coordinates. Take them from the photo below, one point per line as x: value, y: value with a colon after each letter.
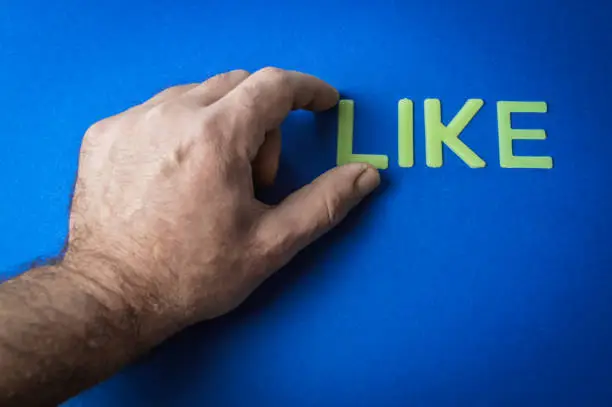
x: 63, y: 331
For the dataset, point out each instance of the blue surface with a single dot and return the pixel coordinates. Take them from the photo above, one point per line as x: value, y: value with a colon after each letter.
x: 451, y: 286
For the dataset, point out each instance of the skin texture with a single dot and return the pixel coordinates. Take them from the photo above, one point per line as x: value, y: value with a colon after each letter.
x: 165, y: 230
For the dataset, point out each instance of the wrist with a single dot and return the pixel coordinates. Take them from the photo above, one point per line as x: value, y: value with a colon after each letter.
x: 71, y: 325
x: 130, y: 300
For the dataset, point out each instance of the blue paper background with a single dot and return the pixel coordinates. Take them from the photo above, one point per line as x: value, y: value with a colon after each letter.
x: 451, y: 286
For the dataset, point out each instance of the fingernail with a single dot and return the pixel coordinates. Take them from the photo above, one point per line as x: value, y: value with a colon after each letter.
x: 367, y: 181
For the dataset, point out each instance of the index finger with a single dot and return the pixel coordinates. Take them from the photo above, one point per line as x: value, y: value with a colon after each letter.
x: 263, y: 100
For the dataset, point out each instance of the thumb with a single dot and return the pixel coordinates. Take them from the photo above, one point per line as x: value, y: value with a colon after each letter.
x: 313, y: 210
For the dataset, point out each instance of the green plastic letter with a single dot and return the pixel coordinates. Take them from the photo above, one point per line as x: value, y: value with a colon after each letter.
x: 346, y: 112
x: 507, y: 134
x: 405, y: 133
x: 437, y: 134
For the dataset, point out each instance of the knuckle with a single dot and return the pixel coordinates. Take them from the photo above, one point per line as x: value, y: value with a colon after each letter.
x: 227, y: 76
x: 176, y: 90
x: 333, y: 209
x: 274, y: 74
x: 169, y: 110
x: 172, y: 91
x: 217, y: 78
x: 241, y: 72
x: 236, y: 73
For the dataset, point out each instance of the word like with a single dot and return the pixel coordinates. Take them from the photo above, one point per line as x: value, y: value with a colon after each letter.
x: 437, y: 134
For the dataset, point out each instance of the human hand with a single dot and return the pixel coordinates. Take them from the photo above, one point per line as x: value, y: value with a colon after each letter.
x: 164, y: 198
